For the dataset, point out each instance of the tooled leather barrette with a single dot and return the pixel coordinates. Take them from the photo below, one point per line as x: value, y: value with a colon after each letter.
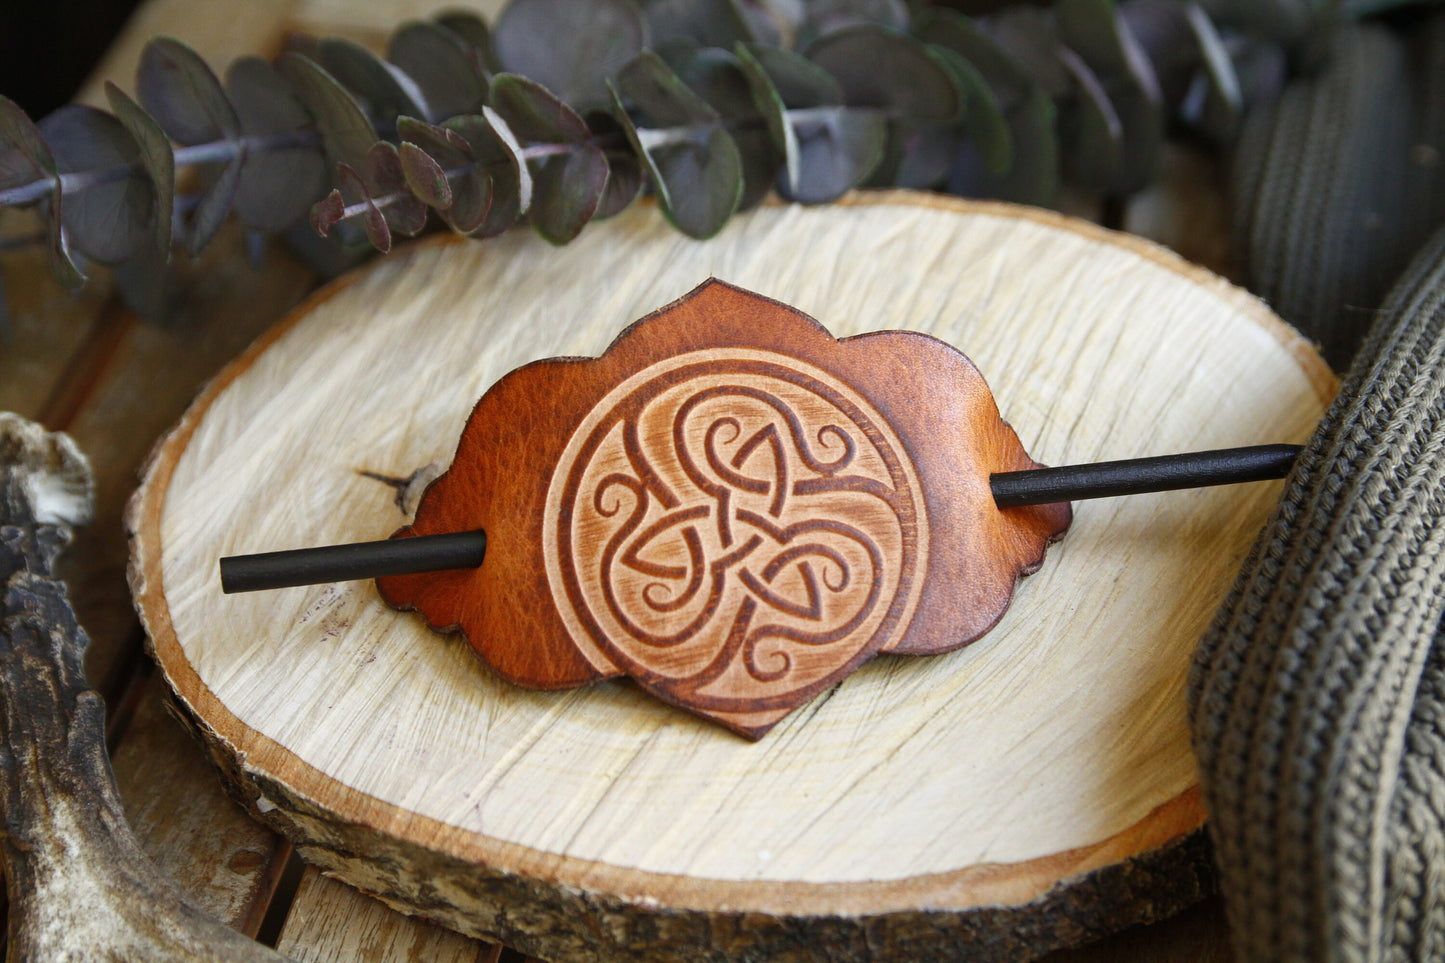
x: 733, y: 508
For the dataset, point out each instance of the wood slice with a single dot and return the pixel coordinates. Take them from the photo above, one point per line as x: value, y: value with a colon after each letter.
x: 1032, y: 790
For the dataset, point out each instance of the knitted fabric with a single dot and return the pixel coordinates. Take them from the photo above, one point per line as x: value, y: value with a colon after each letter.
x: 1318, y: 695
x: 1323, y: 223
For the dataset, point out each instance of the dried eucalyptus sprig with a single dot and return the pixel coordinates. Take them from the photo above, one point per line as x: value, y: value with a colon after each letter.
x: 712, y: 103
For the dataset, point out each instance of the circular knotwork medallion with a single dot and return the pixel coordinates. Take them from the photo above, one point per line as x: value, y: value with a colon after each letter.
x: 735, y: 529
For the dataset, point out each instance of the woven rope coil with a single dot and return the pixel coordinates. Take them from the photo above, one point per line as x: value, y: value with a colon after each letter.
x: 1318, y: 697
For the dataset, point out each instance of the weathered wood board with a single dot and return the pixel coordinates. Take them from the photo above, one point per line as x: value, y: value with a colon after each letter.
x: 920, y: 806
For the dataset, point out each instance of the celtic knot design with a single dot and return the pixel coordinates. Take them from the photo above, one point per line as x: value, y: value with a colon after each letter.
x: 736, y: 529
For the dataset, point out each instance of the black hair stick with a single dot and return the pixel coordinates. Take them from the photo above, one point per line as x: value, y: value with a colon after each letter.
x: 1042, y: 486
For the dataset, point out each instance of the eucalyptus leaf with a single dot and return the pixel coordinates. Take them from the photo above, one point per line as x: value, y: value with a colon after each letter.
x: 1163, y: 32
x: 795, y: 78
x: 472, y: 31
x: 718, y: 77
x: 1033, y: 178
x: 534, y: 113
x: 354, y: 188
x: 346, y: 134
x: 214, y: 207
x: 327, y: 213
x: 469, y: 187
x: 706, y: 23
x: 1032, y: 40
x: 424, y: 176
x: 1283, y: 21
x: 918, y: 158
x: 444, y: 68
x: 983, y: 116
x: 568, y: 187
x: 180, y: 91
x: 624, y: 170
x: 110, y: 219
x: 1102, y: 39
x: 823, y: 17
x: 653, y: 87
x: 494, y: 157
x: 24, y: 159
x: 838, y: 147
x: 276, y: 185
x: 570, y: 47
x: 156, y: 158
x: 384, y: 91
x: 1218, y: 105
x: 695, y: 167
x: 770, y: 106
x: 889, y: 71
x: 405, y: 213
x: 1092, y: 133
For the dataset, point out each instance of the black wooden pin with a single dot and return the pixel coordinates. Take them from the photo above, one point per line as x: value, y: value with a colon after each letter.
x: 1041, y: 486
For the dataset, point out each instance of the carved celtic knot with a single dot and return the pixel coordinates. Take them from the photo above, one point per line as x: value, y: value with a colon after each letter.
x: 735, y: 529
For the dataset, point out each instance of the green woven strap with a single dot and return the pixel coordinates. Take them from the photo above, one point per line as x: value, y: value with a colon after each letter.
x: 1318, y: 696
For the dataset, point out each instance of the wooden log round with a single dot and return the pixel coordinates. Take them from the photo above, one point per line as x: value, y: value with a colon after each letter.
x: 1032, y: 790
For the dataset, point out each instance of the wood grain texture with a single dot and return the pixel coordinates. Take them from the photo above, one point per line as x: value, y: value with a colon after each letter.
x: 329, y: 922
x: 221, y: 859
x: 731, y: 507
x: 924, y: 806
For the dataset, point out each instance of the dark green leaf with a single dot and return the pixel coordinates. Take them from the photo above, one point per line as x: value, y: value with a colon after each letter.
x: 471, y: 30
x: 695, y: 168
x: 1033, y: 178
x: 706, y: 23
x: 405, y: 213
x: 469, y: 186
x: 798, y: 81
x: 277, y: 184
x: 155, y: 157
x: 570, y: 47
x: 346, y: 134
x: 425, y: 177
x: 446, y: 70
x: 838, y: 147
x: 494, y: 154
x: 535, y: 114
x: 891, y: 72
x: 823, y: 17
x: 214, y: 207
x: 1102, y: 39
x: 24, y: 155
x: 1282, y: 21
x: 983, y: 116
x: 110, y: 220
x: 1092, y: 134
x: 1031, y: 40
x: 1162, y: 29
x: 353, y: 187
x: 1220, y: 108
x: 624, y: 170
x: 384, y: 91
x: 327, y: 212
x: 24, y: 159
x: 660, y: 94
x: 568, y: 187
x: 176, y: 87
x: 718, y: 77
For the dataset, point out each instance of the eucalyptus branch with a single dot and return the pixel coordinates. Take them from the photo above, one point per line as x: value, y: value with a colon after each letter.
x: 534, y: 121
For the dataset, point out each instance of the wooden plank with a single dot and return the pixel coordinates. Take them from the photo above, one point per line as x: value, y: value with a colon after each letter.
x: 154, y: 373
x: 47, y: 330
x: 219, y: 857
x: 330, y: 922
